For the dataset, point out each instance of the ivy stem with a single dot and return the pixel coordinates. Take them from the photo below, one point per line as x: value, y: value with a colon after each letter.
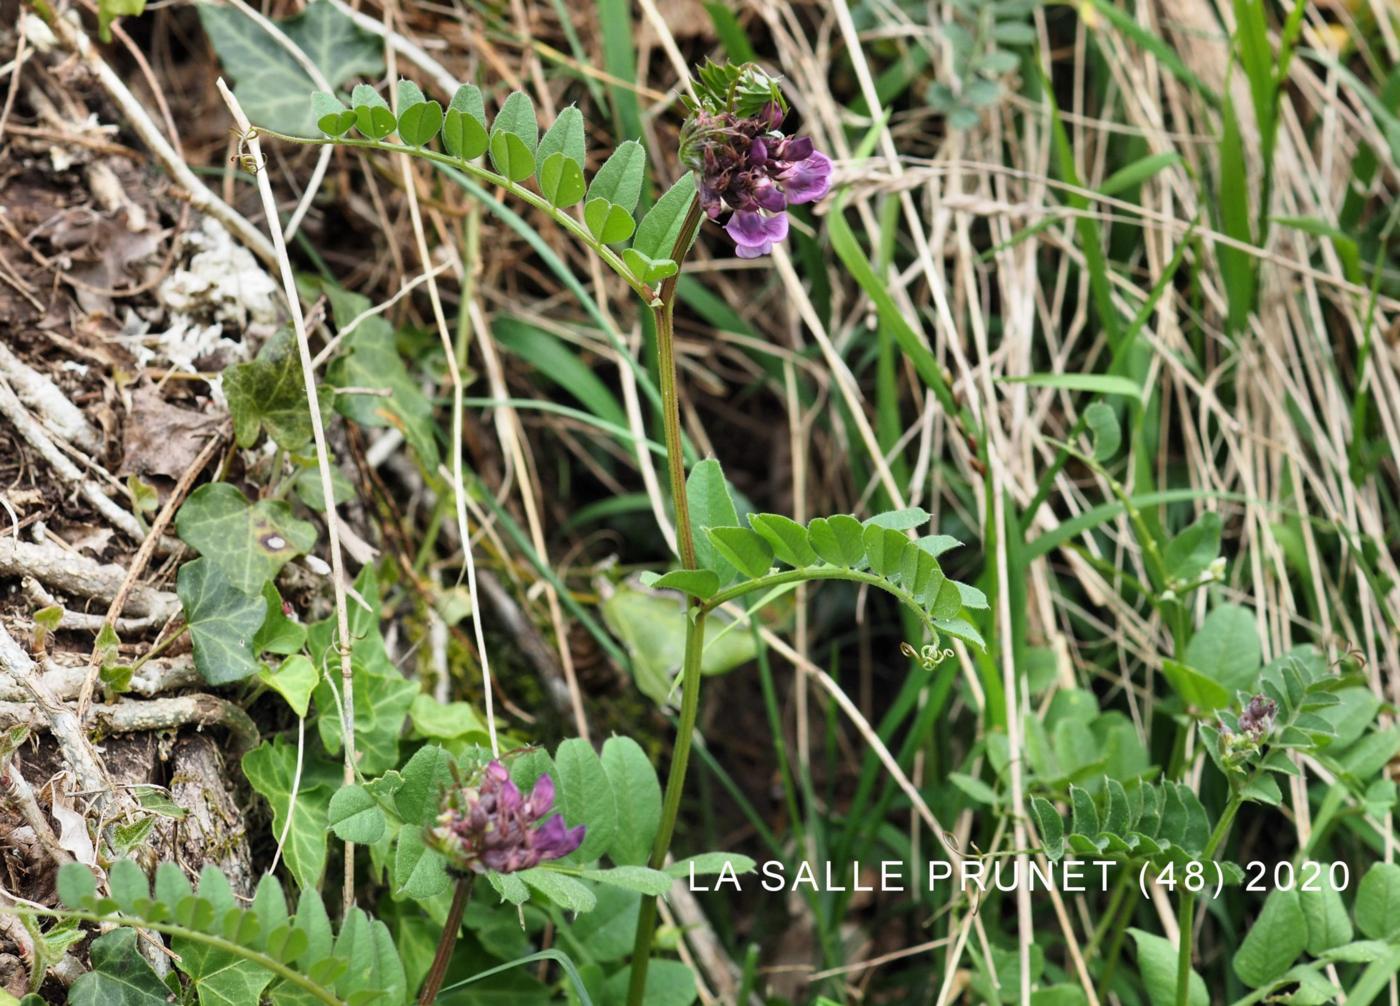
x: 447, y: 942
x: 663, y: 309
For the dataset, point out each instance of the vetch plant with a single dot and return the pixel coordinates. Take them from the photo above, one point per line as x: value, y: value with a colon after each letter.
x: 490, y: 826
x: 746, y: 164
x: 742, y: 163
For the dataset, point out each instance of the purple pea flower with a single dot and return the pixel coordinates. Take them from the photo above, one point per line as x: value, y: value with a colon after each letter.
x: 491, y: 825
x: 749, y: 168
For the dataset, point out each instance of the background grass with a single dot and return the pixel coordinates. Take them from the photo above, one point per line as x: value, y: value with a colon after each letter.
x: 1038, y: 207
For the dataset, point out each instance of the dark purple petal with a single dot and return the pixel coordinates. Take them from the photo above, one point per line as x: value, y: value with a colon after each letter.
x: 769, y: 196
x: 753, y: 230
x: 510, y: 799
x: 758, y: 151
x: 796, y: 148
x: 710, y: 200
x: 808, y: 180
x: 542, y: 797
x: 772, y: 114
x: 552, y: 839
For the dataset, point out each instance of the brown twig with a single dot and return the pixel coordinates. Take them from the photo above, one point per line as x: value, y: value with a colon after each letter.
x: 143, y: 558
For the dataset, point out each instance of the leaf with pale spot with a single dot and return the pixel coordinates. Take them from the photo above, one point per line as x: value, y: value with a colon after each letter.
x: 249, y: 543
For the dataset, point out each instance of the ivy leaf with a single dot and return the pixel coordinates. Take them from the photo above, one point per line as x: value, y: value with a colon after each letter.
x: 373, y: 116
x: 660, y: 229
x: 272, y: 86
x: 120, y: 976
x: 372, y: 361
x: 271, y: 768
x: 464, y: 128
x: 637, y: 795
x: 222, y: 621
x: 332, y: 117
x: 279, y: 634
x: 248, y: 543
x: 585, y: 797
x: 220, y: 977
x: 514, y: 137
x: 444, y: 721
x: 269, y: 393
x: 382, y: 699
x: 419, y: 118
x: 354, y: 816
x: 561, y: 153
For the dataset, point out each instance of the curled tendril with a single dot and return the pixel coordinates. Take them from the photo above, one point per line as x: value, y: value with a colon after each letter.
x: 929, y: 655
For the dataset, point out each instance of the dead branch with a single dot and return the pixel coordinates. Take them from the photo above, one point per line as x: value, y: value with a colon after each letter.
x: 78, y: 575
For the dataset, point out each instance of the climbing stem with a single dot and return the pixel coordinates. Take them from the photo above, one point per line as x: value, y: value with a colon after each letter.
x: 663, y: 309
x: 447, y: 941
x: 1187, y: 911
x: 484, y: 174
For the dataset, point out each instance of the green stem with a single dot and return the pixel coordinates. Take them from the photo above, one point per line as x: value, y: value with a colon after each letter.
x: 803, y: 574
x: 293, y: 977
x: 447, y: 942
x: 1185, y: 941
x: 663, y: 309
x: 1186, y: 913
x: 484, y: 174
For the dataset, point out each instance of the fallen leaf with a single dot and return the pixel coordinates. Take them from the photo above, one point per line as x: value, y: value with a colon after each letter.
x: 73, y: 834
x: 163, y: 439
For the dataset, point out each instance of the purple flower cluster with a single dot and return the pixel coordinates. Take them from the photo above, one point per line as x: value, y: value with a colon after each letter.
x: 748, y: 166
x: 491, y: 825
x: 1257, y: 719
